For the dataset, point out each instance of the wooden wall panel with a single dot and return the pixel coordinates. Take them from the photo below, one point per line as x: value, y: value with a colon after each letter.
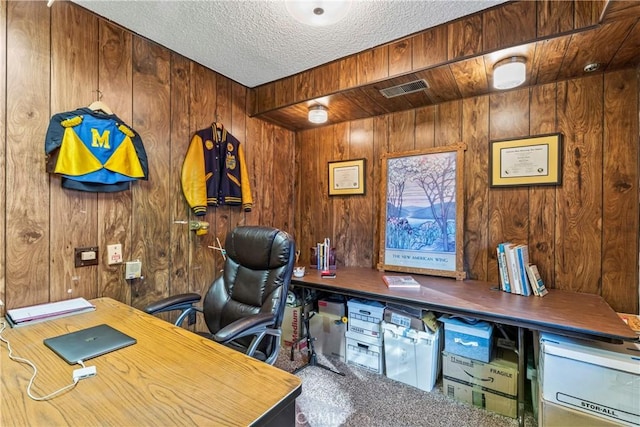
x: 542, y: 199
x: 425, y: 127
x: 510, y: 25
x: 238, y: 127
x: 179, y: 210
x: 508, y: 207
x: 203, y: 267
x: 554, y: 17
x: 448, y: 123
x: 151, y: 218
x: 3, y: 150
x: 341, y: 234
x: 402, y: 131
x: 282, y: 165
x: 620, y: 190
x: 27, y: 192
x: 114, y: 209
x: 464, y: 37
x: 400, y: 55
x: 579, y: 229
x: 430, y: 47
x: 373, y: 64
x: 74, y: 83
x: 475, y: 128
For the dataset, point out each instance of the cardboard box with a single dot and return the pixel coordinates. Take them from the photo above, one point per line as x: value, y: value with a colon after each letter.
x: 552, y: 415
x: 328, y: 332
x: 402, y: 318
x: 365, y: 317
x: 472, y: 340
x: 365, y: 351
x: 293, y: 327
x: 335, y: 307
x: 412, y: 356
x: 598, y: 378
x: 481, y: 397
x: 499, y: 376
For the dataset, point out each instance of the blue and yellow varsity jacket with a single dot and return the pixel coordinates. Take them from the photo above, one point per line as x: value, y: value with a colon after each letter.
x: 214, y: 172
x: 93, y: 151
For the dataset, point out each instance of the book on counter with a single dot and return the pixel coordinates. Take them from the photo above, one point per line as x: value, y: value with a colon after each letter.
x: 537, y: 285
x: 49, y: 311
x: 398, y: 282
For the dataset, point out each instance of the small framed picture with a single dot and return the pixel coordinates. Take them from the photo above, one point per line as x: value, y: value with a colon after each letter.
x: 346, y: 177
x: 526, y: 161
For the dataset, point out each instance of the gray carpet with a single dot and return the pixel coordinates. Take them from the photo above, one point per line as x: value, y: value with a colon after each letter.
x: 362, y: 398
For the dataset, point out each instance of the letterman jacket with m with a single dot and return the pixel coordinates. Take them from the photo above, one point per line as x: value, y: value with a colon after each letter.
x: 214, y: 172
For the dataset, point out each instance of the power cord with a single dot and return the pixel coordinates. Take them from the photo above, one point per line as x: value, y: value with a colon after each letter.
x: 78, y: 374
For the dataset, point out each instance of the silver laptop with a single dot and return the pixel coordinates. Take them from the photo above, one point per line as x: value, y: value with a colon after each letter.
x: 88, y: 343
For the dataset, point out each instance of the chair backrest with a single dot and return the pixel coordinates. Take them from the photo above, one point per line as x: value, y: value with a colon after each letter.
x: 255, y: 279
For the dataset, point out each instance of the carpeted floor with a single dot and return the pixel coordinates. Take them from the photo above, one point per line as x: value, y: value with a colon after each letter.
x: 361, y: 398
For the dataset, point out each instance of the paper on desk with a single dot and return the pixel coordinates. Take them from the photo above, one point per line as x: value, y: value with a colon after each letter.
x: 41, y: 311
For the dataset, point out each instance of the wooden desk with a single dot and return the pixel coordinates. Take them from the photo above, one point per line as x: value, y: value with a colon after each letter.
x: 561, y: 312
x: 170, y: 377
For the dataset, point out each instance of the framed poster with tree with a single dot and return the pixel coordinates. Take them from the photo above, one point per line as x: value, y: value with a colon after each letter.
x: 422, y: 214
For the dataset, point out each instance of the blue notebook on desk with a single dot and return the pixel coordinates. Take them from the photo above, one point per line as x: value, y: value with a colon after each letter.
x: 88, y: 343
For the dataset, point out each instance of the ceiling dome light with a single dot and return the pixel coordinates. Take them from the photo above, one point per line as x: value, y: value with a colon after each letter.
x: 509, y: 73
x: 318, y: 114
x: 318, y: 13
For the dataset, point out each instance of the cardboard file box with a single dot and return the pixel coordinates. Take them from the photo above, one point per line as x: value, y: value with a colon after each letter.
x: 472, y: 340
x: 481, y: 397
x: 492, y: 386
x: 412, y: 356
x: 499, y: 376
x: 293, y: 327
x: 328, y: 332
x: 365, y: 317
x: 593, y: 377
x: 365, y: 351
x: 552, y: 415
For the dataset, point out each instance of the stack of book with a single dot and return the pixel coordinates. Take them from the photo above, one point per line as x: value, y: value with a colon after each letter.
x: 517, y: 275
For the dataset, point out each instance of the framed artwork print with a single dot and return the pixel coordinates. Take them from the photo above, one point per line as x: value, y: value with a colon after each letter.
x: 527, y: 161
x: 422, y: 214
x: 346, y: 177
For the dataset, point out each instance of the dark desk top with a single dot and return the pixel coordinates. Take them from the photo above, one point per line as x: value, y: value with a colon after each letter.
x: 562, y: 312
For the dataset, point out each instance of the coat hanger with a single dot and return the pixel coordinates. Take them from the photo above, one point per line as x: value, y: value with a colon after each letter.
x: 100, y: 106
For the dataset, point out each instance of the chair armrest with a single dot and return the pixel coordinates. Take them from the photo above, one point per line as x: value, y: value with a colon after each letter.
x: 251, y: 325
x: 175, y: 302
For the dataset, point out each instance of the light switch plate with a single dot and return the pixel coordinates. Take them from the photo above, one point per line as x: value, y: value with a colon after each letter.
x: 86, y: 256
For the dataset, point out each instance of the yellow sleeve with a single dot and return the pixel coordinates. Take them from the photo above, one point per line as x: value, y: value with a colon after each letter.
x: 247, y: 199
x: 194, y: 183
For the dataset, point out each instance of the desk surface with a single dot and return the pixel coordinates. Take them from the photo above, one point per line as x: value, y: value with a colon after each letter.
x: 170, y: 377
x: 569, y: 313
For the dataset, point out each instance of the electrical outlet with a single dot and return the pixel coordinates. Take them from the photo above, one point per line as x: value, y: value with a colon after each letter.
x: 114, y: 254
x: 86, y: 256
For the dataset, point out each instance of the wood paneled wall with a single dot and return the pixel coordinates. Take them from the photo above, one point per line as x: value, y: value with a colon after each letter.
x: 583, y: 234
x: 57, y: 59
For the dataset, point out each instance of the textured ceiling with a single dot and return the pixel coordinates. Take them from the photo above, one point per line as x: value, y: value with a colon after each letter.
x: 257, y: 41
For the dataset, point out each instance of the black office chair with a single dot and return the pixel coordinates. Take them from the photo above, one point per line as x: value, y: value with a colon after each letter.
x: 244, y: 307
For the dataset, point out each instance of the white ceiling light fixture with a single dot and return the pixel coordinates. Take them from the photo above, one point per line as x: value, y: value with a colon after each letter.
x: 509, y: 73
x: 318, y: 13
x: 318, y: 114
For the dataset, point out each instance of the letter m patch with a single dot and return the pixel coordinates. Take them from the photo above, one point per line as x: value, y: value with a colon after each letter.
x: 98, y: 140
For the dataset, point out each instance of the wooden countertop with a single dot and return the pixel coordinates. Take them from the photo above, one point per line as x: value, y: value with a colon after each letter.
x: 568, y: 313
x: 170, y: 377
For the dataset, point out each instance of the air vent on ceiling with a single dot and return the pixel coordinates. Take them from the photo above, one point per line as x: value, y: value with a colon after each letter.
x: 405, y: 88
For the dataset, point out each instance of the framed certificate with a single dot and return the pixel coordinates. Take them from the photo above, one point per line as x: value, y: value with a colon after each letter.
x: 346, y: 177
x: 529, y: 161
